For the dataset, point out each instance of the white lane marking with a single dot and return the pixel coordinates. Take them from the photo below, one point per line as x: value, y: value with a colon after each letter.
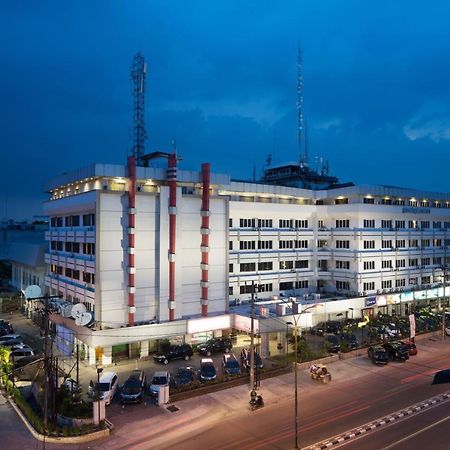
x: 416, y: 433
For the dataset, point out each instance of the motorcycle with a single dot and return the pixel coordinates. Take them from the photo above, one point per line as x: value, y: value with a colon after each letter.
x: 256, y: 403
x: 320, y: 372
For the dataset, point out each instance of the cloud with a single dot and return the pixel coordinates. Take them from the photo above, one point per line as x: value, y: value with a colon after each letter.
x: 329, y: 124
x: 432, y: 121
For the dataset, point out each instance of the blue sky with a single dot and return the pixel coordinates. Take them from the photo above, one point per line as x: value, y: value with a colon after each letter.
x: 222, y: 83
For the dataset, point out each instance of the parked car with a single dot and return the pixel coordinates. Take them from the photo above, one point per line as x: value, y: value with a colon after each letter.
x: 183, y: 377
x: 245, y: 360
x: 133, y: 388
x: 5, y: 328
x: 332, y: 343
x: 377, y: 354
x: 350, y: 339
x: 396, y: 350
x: 331, y: 326
x: 10, y: 337
x: 107, y: 386
x: 215, y: 345
x: 13, y: 343
x: 207, y: 370
x: 20, y: 353
x: 183, y: 351
x: 230, y: 364
x: 159, y: 379
x: 412, y: 348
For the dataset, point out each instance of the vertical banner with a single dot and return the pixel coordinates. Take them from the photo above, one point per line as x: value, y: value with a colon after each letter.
x: 412, y: 326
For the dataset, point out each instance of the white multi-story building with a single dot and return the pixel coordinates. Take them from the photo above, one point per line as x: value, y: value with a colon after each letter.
x: 155, y: 254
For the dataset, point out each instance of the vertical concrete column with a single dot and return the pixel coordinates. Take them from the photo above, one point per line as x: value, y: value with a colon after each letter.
x: 265, y: 345
x: 107, y: 356
x: 91, y: 355
x: 131, y: 241
x: 204, y: 230
x: 172, y: 180
x: 144, y: 349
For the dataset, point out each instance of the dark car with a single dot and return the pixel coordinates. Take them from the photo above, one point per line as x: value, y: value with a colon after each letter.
x: 5, y: 328
x: 174, y: 352
x: 332, y: 343
x: 412, y: 348
x: 207, y: 370
x: 245, y: 360
x: 396, y: 350
x: 133, y: 388
x: 350, y: 340
x: 377, y: 354
x: 230, y: 364
x: 215, y: 345
x: 332, y: 326
x: 183, y: 377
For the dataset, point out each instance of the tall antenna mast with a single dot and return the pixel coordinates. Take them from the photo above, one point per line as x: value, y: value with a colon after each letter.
x: 303, y: 155
x: 138, y: 74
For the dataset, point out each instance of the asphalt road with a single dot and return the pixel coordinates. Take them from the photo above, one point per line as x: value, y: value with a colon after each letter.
x: 428, y: 429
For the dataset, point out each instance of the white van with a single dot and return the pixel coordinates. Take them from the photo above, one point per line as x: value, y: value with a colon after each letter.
x: 107, y: 386
x: 20, y: 353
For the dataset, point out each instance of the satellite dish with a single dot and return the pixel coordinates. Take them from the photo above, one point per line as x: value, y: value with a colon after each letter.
x: 78, y: 310
x: 32, y: 291
x: 84, y: 319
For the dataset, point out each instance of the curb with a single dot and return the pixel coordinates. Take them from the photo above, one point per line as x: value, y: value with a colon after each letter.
x: 62, y: 440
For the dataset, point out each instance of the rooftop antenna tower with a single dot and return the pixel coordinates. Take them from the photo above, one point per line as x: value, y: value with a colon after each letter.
x: 303, y: 155
x: 138, y: 74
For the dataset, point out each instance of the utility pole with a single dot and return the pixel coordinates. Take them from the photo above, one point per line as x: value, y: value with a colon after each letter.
x: 252, y: 338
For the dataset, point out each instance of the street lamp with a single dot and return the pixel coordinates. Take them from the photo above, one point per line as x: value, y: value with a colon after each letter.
x: 296, y: 319
x: 99, y: 371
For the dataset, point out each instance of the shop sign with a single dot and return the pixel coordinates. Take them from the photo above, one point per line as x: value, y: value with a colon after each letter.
x: 381, y: 300
x: 406, y: 297
x: 371, y: 301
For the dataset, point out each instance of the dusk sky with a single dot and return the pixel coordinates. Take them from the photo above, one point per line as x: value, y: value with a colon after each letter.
x: 222, y: 83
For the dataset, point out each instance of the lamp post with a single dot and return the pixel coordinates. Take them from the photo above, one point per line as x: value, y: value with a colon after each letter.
x: 99, y: 371
x: 295, y: 324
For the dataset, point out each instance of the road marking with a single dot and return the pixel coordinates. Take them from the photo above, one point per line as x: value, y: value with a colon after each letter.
x: 416, y: 433
x: 386, y: 420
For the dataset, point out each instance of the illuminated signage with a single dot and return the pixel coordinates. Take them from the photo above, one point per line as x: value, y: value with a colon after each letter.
x: 208, y: 324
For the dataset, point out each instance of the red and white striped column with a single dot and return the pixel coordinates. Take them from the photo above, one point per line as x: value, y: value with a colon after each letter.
x: 205, y: 213
x: 131, y: 242
x: 172, y: 179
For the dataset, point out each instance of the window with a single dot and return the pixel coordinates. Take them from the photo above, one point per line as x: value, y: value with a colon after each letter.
x: 342, y: 264
x: 265, y: 265
x: 425, y: 242
x: 264, y: 223
x: 342, y: 223
x: 76, y: 274
x: 369, y: 286
x: 386, y: 201
x: 230, y: 290
x: 425, y: 203
x: 247, y: 223
x: 400, y: 244
x: 302, y: 264
x: 446, y: 225
x: 369, y: 265
x: 437, y: 225
x: 426, y: 280
x: 341, y: 201
x: 342, y: 244
x: 301, y: 224
x: 386, y: 284
x: 245, y: 289
x: 437, y: 204
x: 301, y: 284
x: 424, y: 224
x: 399, y: 224
x: 369, y: 244
x: 301, y: 244
x: 413, y: 262
x: 264, y: 245
x: 230, y: 223
x: 88, y: 220
x: 369, y: 200
x: 89, y: 277
x: 286, y: 223
x: 322, y: 243
x: 230, y: 268
x: 72, y: 221
x: 286, y: 244
x: 68, y: 272
x: 399, y: 202
x: 320, y: 224
x: 247, y: 245
x: 369, y: 223
x: 425, y: 261
x: 386, y: 224
x: 343, y: 285
x: 413, y: 224
x: 437, y: 242
x: 265, y: 287
x: 413, y: 243
x: 386, y: 264
x: 286, y: 285
x: 437, y: 260
x: 88, y: 248
x: 286, y: 265
x: 386, y: 244
x: 400, y: 263
x: 247, y: 267
x: 230, y: 245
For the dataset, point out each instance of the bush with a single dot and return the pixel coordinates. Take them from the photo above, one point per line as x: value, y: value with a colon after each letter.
x: 33, y: 418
